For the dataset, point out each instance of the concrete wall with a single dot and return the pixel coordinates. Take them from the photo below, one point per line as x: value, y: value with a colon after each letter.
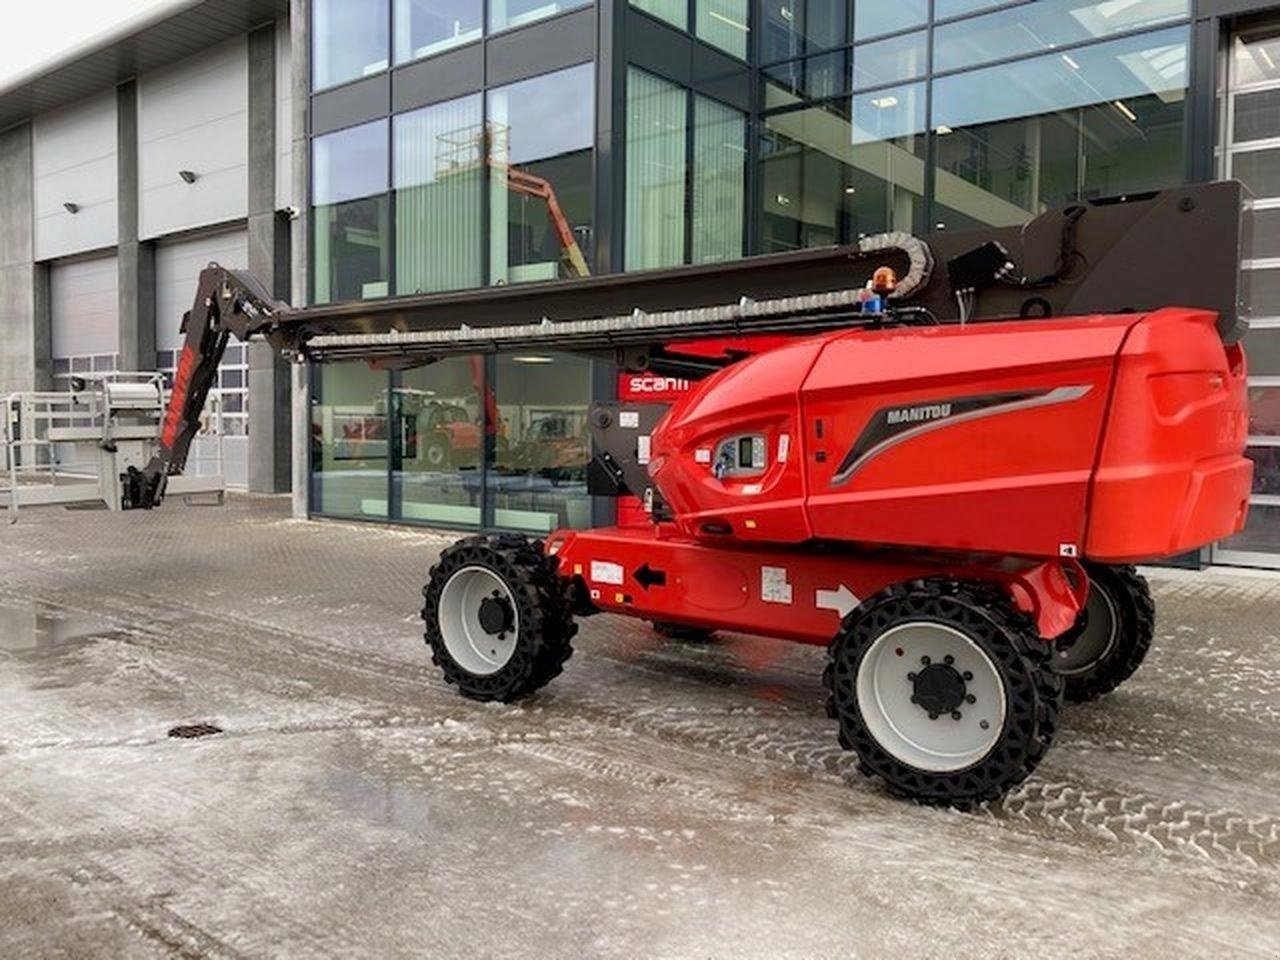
x: 194, y: 116
x: 284, y: 116
x: 83, y: 301
x: 24, y: 310
x: 75, y: 162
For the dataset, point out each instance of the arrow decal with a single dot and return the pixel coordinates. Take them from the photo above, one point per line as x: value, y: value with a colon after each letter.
x: 842, y: 600
x: 647, y: 577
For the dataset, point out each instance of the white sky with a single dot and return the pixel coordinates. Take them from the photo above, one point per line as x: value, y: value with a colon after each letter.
x: 36, y: 31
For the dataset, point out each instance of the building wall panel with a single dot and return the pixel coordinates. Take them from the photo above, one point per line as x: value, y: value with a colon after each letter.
x: 74, y: 158
x: 194, y: 116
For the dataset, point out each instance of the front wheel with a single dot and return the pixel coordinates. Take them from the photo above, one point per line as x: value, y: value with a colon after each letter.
x: 940, y: 688
x: 1112, y: 636
x: 497, y: 618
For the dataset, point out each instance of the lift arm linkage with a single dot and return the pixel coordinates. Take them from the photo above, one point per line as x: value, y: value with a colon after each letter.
x: 228, y: 303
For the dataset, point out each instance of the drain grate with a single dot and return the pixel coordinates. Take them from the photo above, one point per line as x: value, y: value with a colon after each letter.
x: 191, y: 731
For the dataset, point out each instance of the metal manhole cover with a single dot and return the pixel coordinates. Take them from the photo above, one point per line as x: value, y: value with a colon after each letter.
x: 191, y: 731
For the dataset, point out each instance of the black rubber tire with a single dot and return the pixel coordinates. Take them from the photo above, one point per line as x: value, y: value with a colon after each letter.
x: 437, y: 447
x: 678, y: 631
x: 546, y: 626
x: 1007, y: 637
x: 1131, y: 599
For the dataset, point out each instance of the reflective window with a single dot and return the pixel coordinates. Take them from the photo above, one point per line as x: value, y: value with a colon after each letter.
x: 943, y: 9
x: 890, y: 61
x: 1021, y: 138
x: 439, y: 442
x: 1154, y: 63
x: 829, y: 179
x: 427, y: 27
x: 352, y: 239
x: 349, y: 441
x: 674, y: 12
x: 1257, y: 116
x: 1262, y: 344
x: 1264, y: 411
x: 516, y: 13
x: 1259, y: 170
x: 1263, y: 240
x: 723, y: 24
x: 1266, y: 470
x: 538, y: 481
x: 1255, y: 59
x: 792, y: 28
x: 889, y: 114
x: 349, y: 40
x: 1045, y: 25
x: 887, y: 16
x: 541, y: 133
x: 1264, y: 292
x: 439, y: 182
x: 1261, y: 533
x: 719, y: 181
x: 818, y: 77
x: 657, y: 120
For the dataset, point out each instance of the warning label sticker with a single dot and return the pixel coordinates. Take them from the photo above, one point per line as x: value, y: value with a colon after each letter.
x: 604, y: 572
x: 773, y: 585
x: 629, y: 419
x: 644, y: 450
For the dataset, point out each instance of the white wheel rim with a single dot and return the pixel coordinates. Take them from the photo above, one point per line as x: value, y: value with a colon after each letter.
x: 472, y: 647
x: 904, y: 728
x: 1101, y: 630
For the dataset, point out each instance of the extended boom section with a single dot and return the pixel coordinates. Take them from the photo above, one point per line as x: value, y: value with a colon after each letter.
x: 228, y: 303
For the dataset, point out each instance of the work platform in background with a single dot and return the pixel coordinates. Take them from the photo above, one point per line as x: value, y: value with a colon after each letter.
x: 72, y: 447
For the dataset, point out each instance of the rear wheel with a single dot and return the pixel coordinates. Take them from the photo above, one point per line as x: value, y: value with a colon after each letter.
x: 678, y: 631
x: 940, y: 688
x: 1112, y: 636
x: 497, y: 618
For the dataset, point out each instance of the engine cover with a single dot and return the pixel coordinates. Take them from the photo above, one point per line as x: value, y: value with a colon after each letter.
x: 993, y: 438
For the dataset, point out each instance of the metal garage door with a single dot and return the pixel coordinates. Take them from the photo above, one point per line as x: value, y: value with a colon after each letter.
x: 83, y: 313
x: 178, y: 267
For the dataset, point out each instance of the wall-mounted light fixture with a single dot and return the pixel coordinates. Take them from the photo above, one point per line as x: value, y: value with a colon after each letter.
x: 71, y: 207
x: 187, y: 176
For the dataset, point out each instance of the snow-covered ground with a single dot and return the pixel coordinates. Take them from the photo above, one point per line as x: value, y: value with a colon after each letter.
x: 657, y: 800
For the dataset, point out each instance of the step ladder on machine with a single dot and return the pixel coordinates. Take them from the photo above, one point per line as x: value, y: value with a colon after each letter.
x: 70, y: 447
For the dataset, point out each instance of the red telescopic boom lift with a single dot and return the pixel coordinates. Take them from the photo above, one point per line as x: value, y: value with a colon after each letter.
x: 941, y: 479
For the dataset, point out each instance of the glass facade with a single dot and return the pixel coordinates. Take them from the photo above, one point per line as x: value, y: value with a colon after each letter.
x: 915, y: 115
x: 685, y: 184
x: 465, y: 442
x: 522, y: 155
x: 542, y: 180
x: 990, y: 129
x: 350, y: 39
x: 353, y: 39
x: 352, y: 214
x: 439, y: 187
x: 427, y: 27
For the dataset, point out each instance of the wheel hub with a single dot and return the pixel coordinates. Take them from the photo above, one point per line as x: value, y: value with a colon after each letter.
x: 496, y: 615
x: 939, y: 689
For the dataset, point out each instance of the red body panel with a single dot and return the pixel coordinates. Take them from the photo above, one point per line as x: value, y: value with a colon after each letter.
x: 791, y: 594
x: 1170, y: 477
x: 1006, y: 437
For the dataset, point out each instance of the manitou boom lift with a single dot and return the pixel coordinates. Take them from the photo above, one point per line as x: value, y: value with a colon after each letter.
x: 940, y: 478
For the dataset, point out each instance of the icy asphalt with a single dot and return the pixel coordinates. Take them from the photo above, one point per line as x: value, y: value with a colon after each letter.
x: 658, y: 800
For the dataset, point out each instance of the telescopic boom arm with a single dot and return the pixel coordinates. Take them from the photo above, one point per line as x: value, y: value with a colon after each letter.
x: 228, y: 303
